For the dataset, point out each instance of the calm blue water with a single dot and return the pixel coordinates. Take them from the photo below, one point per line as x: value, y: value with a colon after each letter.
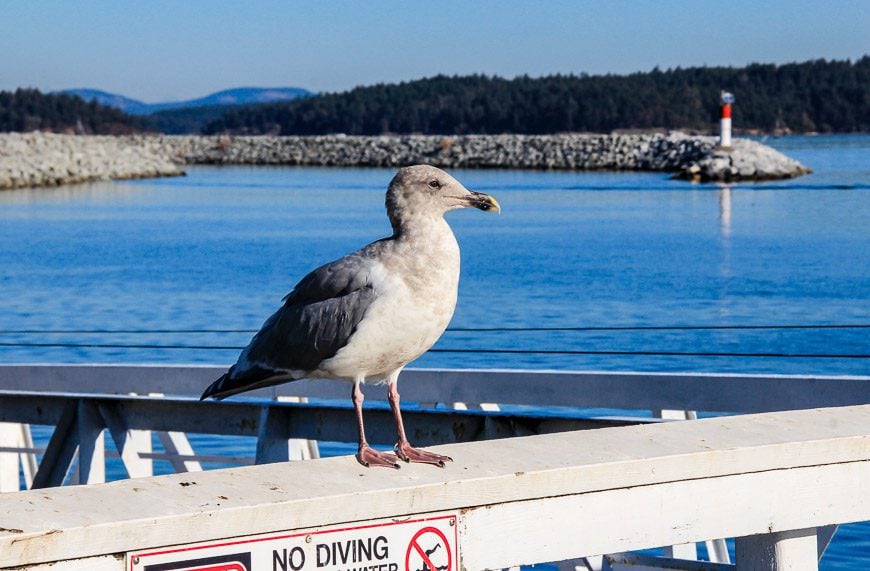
x: 220, y: 247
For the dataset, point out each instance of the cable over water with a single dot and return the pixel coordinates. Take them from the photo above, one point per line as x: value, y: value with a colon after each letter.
x: 457, y: 329
x: 664, y: 353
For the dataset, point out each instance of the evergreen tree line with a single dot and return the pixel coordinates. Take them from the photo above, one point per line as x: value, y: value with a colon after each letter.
x: 31, y: 110
x: 823, y: 96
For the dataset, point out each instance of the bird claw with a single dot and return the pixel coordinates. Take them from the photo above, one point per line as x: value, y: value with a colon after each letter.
x: 410, y: 454
x: 369, y: 457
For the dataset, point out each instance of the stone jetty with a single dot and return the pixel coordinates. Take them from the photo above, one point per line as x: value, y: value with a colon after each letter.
x: 37, y: 159
x: 47, y: 159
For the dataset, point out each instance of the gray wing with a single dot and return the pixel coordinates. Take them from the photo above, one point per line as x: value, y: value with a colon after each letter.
x: 317, y: 319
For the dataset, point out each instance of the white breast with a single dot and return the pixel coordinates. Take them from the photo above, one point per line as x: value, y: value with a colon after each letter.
x: 416, y: 286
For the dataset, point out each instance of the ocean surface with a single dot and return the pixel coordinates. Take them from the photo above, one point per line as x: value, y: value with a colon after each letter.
x: 219, y: 248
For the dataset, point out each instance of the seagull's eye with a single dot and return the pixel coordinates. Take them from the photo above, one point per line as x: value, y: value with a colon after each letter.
x: 434, y: 184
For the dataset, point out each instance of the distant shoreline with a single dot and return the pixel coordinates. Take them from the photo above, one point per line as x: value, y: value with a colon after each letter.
x: 45, y: 159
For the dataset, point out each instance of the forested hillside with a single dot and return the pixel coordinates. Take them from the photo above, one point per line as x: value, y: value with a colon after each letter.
x: 185, y: 120
x: 824, y: 96
x: 31, y: 110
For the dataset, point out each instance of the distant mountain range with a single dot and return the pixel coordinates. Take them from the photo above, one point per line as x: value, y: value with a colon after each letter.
x: 228, y: 97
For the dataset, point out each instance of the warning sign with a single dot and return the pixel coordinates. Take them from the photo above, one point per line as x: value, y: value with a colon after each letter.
x: 423, y: 544
x: 429, y: 550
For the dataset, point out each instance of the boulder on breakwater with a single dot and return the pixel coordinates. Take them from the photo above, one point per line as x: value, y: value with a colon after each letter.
x: 37, y: 159
x: 745, y: 160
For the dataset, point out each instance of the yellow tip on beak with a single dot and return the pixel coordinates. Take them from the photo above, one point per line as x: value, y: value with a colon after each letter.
x: 483, y: 202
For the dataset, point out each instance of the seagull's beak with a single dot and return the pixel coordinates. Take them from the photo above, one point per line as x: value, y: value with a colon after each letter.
x: 482, y: 201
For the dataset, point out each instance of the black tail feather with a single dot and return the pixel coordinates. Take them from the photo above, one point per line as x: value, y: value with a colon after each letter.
x: 232, y: 383
x: 214, y: 389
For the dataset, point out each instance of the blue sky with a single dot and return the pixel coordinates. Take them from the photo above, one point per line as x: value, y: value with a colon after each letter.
x: 168, y: 50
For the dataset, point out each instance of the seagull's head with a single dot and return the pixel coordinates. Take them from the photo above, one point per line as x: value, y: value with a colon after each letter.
x: 424, y: 190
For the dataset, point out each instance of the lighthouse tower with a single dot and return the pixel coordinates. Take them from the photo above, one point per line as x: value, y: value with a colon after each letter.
x: 725, y: 120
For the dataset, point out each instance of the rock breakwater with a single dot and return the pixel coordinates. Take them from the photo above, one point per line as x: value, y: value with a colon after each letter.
x: 46, y: 159
x: 39, y: 159
x: 691, y: 157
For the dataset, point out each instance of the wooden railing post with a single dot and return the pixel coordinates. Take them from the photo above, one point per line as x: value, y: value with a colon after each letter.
x: 9, y: 468
x: 61, y: 449
x: 92, y: 444
x: 130, y: 443
x: 181, y: 453
x: 786, y: 550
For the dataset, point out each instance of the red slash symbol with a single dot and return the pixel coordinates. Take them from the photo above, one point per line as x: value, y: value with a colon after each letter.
x: 428, y: 546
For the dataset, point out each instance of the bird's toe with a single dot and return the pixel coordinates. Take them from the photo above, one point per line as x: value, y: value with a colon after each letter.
x: 369, y: 457
x: 410, y: 454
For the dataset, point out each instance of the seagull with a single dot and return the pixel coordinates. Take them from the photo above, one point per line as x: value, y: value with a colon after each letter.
x: 365, y: 316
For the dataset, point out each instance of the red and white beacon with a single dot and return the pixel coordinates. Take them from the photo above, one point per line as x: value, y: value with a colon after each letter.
x: 725, y: 121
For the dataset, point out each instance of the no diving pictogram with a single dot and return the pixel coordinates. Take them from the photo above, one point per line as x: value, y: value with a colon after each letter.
x: 429, y: 551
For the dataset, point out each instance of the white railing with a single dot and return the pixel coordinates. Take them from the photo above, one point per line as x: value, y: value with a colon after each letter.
x: 516, y: 501
x: 140, y: 406
x: 132, y: 401
x: 681, y: 391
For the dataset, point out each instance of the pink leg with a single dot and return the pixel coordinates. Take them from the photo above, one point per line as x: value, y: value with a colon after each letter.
x: 366, y: 455
x: 404, y: 450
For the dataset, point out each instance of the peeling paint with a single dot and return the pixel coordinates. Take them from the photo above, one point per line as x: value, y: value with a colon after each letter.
x: 38, y: 536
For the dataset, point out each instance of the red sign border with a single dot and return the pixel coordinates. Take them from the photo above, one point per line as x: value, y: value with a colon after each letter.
x: 455, y: 517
